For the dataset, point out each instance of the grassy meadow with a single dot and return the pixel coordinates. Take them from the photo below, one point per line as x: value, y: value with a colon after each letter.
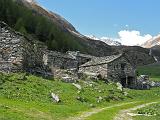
x: 152, y: 70
x: 28, y: 97
x: 151, y: 112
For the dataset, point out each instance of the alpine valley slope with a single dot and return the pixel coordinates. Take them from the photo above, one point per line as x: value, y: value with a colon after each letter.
x: 154, y: 45
x: 97, y: 48
x: 152, y: 42
x: 13, y: 12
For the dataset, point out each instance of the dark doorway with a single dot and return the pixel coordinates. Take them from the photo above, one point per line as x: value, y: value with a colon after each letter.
x: 130, y: 81
x: 123, y: 82
x: 127, y: 81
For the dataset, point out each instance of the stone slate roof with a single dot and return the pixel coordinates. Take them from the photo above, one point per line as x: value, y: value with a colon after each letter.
x: 56, y: 54
x: 101, y: 60
x: 85, y: 55
x: 68, y: 55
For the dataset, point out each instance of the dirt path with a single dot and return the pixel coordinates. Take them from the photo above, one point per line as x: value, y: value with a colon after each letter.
x: 127, y: 114
x: 94, y: 111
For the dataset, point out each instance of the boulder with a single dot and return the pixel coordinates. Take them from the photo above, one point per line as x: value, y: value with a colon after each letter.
x: 68, y: 79
x: 55, y: 98
x: 119, y: 86
x: 77, y: 86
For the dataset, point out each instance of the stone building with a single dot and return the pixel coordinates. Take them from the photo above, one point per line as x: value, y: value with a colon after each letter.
x: 18, y: 53
x: 68, y: 60
x: 113, y: 68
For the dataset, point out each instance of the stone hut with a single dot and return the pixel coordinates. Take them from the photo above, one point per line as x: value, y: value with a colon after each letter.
x: 19, y: 53
x: 68, y: 60
x: 112, y: 68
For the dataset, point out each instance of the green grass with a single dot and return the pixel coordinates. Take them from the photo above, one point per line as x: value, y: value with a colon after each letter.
x: 152, y: 70
x: 109, y: 114
x: 153, y: 110
x: 28, y: 97
x: 139, y: 97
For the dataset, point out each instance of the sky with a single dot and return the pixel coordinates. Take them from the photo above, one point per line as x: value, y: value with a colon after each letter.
x: 131, y: 22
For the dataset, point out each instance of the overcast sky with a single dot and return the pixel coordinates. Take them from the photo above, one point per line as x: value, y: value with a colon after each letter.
x: 130, y: 21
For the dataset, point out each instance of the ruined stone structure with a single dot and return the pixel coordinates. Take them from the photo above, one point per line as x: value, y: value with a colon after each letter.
x: 18, y: 53
x: 113, y: 68
x: 69, y: 60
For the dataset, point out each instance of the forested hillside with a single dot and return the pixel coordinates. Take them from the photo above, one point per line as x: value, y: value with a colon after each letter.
x: 26, y: 21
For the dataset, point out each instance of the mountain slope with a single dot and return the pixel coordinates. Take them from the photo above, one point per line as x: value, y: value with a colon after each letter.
x: 37, y: 23
x: 60, y: 21
x: 108, y: 41
x: 137, y: 56
x: 152, y: 42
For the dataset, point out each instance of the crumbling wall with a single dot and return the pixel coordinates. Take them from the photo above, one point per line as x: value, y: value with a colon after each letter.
x: 101, y: 70
x: 18, y: 53
x: 10, y: 50
x: 60, y: 60
x: 120, y: 70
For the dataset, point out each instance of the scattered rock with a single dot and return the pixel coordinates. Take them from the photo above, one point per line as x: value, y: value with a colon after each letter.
x: 99, y: 99
x: 125, y: 93
x: 55, y: 98
x: 77, y: 86
x: 68, y: 79
x: 79, y: 92
x: 119, y: 86
x: 81, y: 99
x: 100, y: 91
x: 92, y: 105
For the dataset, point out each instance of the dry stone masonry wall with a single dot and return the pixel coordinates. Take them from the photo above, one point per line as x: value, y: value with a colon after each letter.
x: 10, y: 50
x: 18, y: 53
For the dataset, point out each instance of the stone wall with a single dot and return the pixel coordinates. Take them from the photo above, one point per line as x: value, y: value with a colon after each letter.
x: 118, y: 70
x: 60, y: 60
x: 101, y: 70
x: 10, y: 49
x: 18, y: 53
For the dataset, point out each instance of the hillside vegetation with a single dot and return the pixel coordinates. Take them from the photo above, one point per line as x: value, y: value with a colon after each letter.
x: 27, y: 97
x: 151, y: 112
x: 28, y: 22
x: 153, y: 70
